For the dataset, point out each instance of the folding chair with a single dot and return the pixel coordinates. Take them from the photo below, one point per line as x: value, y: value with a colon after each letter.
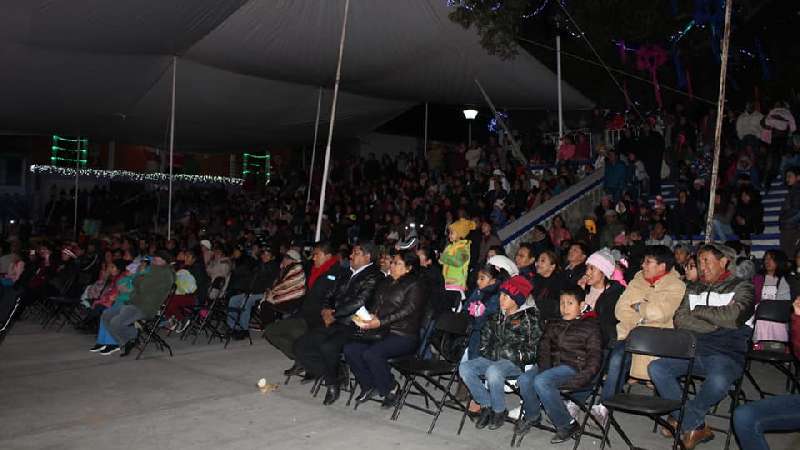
x: 5, y: 326
x: 584, y: 398
x: 454, y: 328
x: 202, y: 316
x: 238, y: 313
x: 149, y: 329
x: 667, y: 343
x: 63, y: 306
x: 774, y: 311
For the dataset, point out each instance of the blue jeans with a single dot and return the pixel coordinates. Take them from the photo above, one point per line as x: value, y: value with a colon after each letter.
x: 722, y: 230
x: 619, y: 365
x: 474, y: 371
x: 369, y: 360
x: 720, y: 373
x: 536, y: 387
x: 103, y: 336
x: 779, y: 413
x: 238, y: 301
x: 119, y: 322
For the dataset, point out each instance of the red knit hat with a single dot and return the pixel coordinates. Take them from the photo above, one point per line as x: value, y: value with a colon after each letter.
x: 518, y: 288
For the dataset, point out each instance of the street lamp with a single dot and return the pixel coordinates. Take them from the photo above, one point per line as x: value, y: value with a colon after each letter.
x: 470, y: 115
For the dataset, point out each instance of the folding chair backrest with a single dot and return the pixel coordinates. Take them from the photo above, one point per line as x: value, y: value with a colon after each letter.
x: 661, y: 342
x: 216, y: 288
x: 453, y: 323
x: 774, y: 311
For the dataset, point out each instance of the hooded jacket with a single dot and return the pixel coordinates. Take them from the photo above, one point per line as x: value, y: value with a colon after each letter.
x: 514, y: 337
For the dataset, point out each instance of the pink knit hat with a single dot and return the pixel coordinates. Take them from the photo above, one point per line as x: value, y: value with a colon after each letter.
x: 603, y: 260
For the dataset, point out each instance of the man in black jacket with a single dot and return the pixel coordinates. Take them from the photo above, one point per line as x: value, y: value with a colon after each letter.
x: 319, y: 350
x: 323, y: 278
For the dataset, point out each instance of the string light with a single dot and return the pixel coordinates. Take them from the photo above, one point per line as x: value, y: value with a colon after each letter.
x: 125, y: 175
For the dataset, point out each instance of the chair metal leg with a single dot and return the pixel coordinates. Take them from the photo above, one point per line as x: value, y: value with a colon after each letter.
x: 403, y: 396
x: 440, y: 405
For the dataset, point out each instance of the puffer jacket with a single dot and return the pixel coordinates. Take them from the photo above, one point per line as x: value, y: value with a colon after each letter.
x: 455, y: 263
x: 353, y: 292
x: 399, y: 304
x: 575, y: 343
x: 657, y: 305
x: 728, y: 303
x: 717, y: 314
x: 514, y: 337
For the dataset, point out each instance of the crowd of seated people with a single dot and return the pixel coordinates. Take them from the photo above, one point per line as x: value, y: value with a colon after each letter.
x: 402, y: 245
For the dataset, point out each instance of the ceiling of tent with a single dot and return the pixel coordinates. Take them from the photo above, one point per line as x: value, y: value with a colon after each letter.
x: 248, y: 71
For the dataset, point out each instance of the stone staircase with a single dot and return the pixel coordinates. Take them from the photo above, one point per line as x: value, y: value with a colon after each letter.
x: 772, y: 201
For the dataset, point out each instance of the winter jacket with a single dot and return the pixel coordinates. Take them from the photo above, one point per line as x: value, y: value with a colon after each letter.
x: 399, y: 304
x: 605, y: 307
x: 657, y: 305
x: 514, y: 337
x: 316, y: 295
x: 546, y: 292
x: 151, y: 288
x: 489, y: 297
x: 790, y: 212
x: 575, y: 343
x: 717, y: 314
x: 352, y: 292
x: 455, y: 263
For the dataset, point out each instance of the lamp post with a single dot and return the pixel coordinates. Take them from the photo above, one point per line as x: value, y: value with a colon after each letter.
x: 470, y: 115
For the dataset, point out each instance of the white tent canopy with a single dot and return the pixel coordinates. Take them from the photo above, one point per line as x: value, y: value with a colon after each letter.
x: 249, y: 70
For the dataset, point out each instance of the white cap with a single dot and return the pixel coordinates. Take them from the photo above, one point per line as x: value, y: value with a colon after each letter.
x: 206, y: 243
x: 503, y: 262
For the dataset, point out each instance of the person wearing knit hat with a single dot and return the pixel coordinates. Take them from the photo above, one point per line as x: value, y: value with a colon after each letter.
x: 517, y: 289
x: 455, y: 261
x: 602, y: 292
x: 509, y: 343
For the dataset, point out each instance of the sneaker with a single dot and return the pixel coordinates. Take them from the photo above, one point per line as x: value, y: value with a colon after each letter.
x: 183, y: 326
x: 109, y: 349
x: 600, y: 414
x: 97, y: 348
x: 572, y: 408
x: 565, y: 434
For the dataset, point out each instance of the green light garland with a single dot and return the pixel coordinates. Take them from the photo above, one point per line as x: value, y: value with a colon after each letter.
x: 69, y: 152
x: 125, y: 175
x: 263, y: 166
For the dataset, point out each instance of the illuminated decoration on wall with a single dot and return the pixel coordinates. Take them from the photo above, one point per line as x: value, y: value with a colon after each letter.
x: 124, y: 175
x: 66, y: 152
x: 257, y: 165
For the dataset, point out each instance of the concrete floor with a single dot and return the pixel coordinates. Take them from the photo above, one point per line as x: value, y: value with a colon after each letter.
x: 57, y: 395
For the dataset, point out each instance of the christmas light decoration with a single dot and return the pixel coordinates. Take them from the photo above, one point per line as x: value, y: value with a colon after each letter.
x: 261, y: 165
x: 125, y: 175
x: 69, y: 152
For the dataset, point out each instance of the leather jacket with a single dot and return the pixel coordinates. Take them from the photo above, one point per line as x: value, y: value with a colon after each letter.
x: 353, y: 292
x: 576, y: 343
x: 399, y: 304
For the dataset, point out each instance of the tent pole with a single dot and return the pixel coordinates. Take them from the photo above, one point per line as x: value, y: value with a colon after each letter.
x: 560, y: 98
x: 712, y: 191
x: 324, y: 186
x: 425, y: 132
x: 514, y: 144
x: 314, y: 147
x: 171, y: 147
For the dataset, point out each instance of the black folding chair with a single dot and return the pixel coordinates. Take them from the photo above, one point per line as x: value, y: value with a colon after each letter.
x: 203, y: 317
x: 666, y: 343
x: 237, y: 313
x: 63, y: 307
x: 440, y: 374
x: 5, y: 325
x: 779, y: 311
x: 149, y: 329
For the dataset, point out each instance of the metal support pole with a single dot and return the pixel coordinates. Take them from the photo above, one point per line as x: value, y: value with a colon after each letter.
x: 171, y: 147
x: 314, y: 147
x: 560, y: 98
x: 324, y: 186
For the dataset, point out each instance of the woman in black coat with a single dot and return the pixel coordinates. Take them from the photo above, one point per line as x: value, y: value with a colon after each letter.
x: 547, y: 285
x: 391, y: 331
x: 602, y: 292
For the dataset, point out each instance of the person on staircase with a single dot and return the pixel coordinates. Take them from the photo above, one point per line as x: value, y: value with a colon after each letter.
x: 789, y: 219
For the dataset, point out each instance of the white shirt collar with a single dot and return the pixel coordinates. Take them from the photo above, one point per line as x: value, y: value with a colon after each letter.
x: 356, y: 272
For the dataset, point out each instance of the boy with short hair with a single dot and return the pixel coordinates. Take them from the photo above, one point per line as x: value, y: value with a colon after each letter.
x: 570, y: 355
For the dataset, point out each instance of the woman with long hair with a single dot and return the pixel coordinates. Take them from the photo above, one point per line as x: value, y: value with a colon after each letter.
x: 547, y: 284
